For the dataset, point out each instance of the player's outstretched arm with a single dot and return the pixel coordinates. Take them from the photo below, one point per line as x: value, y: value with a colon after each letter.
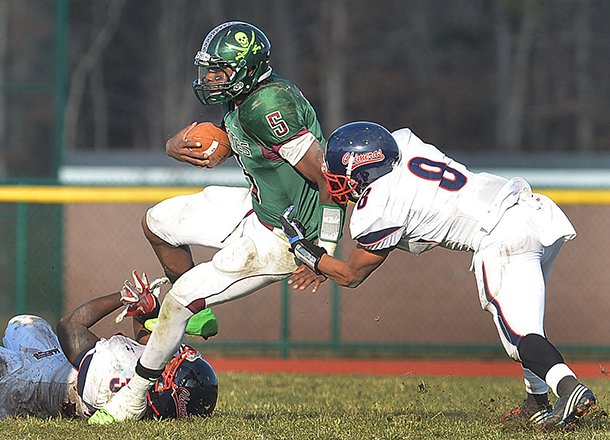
x: 73, y: 329
x: 360, y: 264
x: 139, y: 300
x: 351, y: 273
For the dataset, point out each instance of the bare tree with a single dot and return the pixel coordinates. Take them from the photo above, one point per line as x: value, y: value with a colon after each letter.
x: 3, y: 52
x: 98, y: 91
x: 86, y: 65
x: 585, y: 138
x: 284, y: 53
x: 417, y: 36
x: 513, y: 66
x: 332, y: 43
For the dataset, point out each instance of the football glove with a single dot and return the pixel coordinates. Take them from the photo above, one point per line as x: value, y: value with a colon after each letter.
x: 304, y: 250
x: 140, y: 297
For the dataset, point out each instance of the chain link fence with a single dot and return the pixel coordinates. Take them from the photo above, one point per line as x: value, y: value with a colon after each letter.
x: 57, y: 256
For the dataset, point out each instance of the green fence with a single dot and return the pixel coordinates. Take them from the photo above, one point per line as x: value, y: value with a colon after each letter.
x: 64, y: 245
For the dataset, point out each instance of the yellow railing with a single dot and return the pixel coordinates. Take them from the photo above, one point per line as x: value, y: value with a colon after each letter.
x: 89, y: 194
x: 142, y: 194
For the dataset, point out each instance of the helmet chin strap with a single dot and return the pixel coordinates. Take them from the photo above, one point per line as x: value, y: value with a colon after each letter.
x: 265, y: 75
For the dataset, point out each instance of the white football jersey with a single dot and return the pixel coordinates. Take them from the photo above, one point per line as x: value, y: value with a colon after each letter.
x: 429, y: 200
x: 36, y: 378
x: 106, y: 368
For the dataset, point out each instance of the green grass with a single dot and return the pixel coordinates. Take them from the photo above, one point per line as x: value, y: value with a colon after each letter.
x: 285, y: 406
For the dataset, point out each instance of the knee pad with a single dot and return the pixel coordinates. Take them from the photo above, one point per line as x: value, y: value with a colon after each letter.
x: 538, y: 354
x: 239, y: 257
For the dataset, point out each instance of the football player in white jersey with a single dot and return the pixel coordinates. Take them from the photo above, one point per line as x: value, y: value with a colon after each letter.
x: 411, y: 196
x: 36, y: 379
x: 76, y: 373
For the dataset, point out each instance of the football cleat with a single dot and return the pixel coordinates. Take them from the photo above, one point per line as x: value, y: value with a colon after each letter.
x: 202, y: 324
x: 101, y: 417
x: 569, y: 409
x: 527, y: 413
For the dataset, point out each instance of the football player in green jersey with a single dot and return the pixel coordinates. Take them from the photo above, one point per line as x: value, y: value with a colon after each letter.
x: 277, y: 140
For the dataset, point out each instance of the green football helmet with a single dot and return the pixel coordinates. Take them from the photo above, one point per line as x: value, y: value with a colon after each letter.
x: 233, y: 58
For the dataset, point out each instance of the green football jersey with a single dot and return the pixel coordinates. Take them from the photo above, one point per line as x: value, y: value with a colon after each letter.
x: 275, y: 112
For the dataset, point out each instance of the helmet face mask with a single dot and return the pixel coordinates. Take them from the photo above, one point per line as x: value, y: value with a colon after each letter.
x: 342, y: 188
x: 239, y: 50
x: 357, y: 154
x: 187, y: 387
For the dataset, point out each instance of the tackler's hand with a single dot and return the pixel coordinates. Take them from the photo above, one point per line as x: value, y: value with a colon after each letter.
x: 302, y: 277
x: 140, y: 297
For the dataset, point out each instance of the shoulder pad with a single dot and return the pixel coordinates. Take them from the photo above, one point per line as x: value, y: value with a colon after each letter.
x: 271, y: 113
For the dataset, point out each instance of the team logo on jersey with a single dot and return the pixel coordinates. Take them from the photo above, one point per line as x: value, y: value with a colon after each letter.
x: 364, y: 158
x: 240, y: 147
x: 43, y: 354
x: 116, y: 383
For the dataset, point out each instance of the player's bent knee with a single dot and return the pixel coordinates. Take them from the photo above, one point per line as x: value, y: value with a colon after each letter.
x: 157, y: 228
x: 147, y: 232
x: 151, y: 221
x: 239, y: 257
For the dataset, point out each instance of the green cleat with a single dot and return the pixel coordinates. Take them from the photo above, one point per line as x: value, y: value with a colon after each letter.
x: 101, y: 417
x: 203, y: 324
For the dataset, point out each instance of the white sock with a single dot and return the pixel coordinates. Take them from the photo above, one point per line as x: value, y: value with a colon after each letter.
x: 555, y: 374
x: 139, y: 385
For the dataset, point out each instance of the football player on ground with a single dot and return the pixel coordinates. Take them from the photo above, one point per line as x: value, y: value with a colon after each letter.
x: 410, y: 196
x: 277, y: 141
x: 74, y: 374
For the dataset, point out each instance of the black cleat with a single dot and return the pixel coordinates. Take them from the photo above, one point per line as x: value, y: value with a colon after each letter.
x: 525, y: 413
x: 569, y: 409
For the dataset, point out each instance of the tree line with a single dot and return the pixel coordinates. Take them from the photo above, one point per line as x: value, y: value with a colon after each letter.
x: 502, y: 76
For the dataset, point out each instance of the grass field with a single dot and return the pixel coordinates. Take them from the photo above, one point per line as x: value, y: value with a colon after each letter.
x: 290, y: 406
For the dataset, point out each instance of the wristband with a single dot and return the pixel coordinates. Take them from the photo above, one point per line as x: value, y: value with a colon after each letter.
x: 309, y: 254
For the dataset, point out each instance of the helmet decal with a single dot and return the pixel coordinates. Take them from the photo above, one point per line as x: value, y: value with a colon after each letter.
x: 363, y: 159
x: 244, y: 46
x: 181, y: 397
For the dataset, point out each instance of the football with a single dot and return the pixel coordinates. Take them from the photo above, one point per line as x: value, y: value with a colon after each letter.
x: 214, y: 141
